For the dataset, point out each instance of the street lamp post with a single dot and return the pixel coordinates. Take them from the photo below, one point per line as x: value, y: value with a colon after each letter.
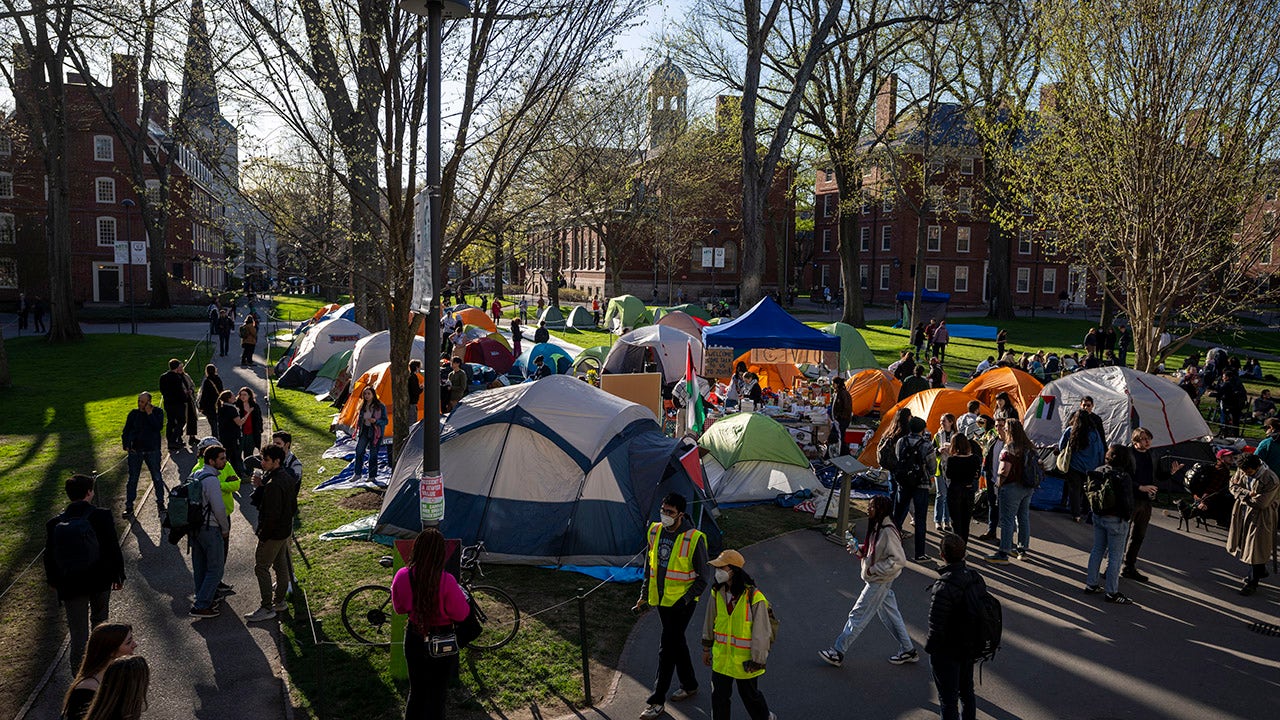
x: 128, y: 204
x: 715, y: 232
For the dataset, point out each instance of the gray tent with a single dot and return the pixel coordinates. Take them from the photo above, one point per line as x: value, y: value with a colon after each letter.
x: 580, y: 318
x: 553, y: 318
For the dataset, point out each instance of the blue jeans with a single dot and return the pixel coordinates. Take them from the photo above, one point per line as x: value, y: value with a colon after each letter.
x: 364, y: 444
x: 941, y: 513
x: 876, y: 599
x: 1015, y: 506
x: 915, y: 502
x: 152, y: 459
x: 1109, y: 535
x: 954, y: 679
x: 208, y: 560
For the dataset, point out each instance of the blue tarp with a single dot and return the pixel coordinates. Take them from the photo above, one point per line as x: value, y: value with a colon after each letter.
x: 767, y: 325
x: 972, y: 332
x: 929, y: 296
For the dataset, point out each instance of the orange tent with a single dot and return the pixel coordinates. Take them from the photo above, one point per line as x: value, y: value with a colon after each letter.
x: 325, y: 310
x: 379, y: 378
x: 1022, y: 387
x: 873, y: 390
x: 772, y: 376
x: 928, y: 404
x: 475, y: 316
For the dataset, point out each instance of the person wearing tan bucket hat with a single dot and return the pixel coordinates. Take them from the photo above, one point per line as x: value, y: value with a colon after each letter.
x: 736, y: 635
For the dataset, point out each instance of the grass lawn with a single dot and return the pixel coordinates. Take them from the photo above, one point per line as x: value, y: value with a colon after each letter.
x: 585, y: 338
x: 296, y: 308
x: 63, y: 415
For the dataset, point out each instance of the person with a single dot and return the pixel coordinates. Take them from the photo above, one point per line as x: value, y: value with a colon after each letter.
x: 484, y: 301
x: 595, y: 311
x: 212, y: 313
x: 904, y: 367
x: 229, y: 483
x: 940, y: 339
x: 887, y: 453
x: 432, y: 598
x: 371, y: 422
x: 913, y: 384
x: 24, y: 309
x: 1052, y: 366
x: 964, y: 463
x: 1064, y: 301
x: 517, y: 335
x: 1004, y: 408
x: 248, y: 340
x: 751, y: 389
x: 918, y: 339
x: 541, y: 335
x: 1269, y: 448
x: 37, y: 312
x: 82, y: 562
x: 107, y: 642
x: 736, y: 637
x: 1002, y: 338
x: 841, y: 411
x: 942, y: 446
x: 1233, y: 399
x: 123, y: 693
x: 967, y: 424
x: 458, y: 382
x: 496, y: 310
x: 984, y: 366
x: 1124, y: 344
x: 990, y: 445
x: 275, y: 496
x: 1035, y: 366
x: 415, y: 382
x: 1087, y: 447
x: 173, y: 390
x: 950, y: 657
x: 457, y: 341
x: 1263, y: 406
x: 882, y: 560
x: 210, y: 390
x: 937, y: 376
x: 250, y: 421
x: 1251, y: 536
x: 916, y: 461
x: 208, y: 544
x: 1015, y: 496
x: 229, y: 432
x: 1090, y: 342
x: 141, y: 440
x: 1111, y: 500
x: 1252, y: 369
x: 674, y: 578
x: 225, y: 324
x: 1209, y: 486
x: 191, y: 422
x: 524, y: 309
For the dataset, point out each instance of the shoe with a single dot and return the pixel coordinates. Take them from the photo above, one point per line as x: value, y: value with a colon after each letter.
x: 260, y: 615
x: 653, y: 711
x: 1248, y: 589
x: 224, y: 586
x: 128, y: 513
x: 683, y: 694
x: 922, y: 558
x: 1018, y: 554
x: 281, y: 606
x: 909, y: 656
x: 997, y: 558
x: 832, y: 657
x: 987, y: 536
x: 204, y: 612
x: 1117, y: 598
x: 1092, y: 589
x: 1133, y: 574
x: 222, y: 593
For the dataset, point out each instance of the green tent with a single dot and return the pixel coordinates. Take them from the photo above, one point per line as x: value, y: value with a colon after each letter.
x: 627, y: 311
x: 580, y: 318
x: 751, y: 436
x: 553, y: 318
x: 854, y: 353
x: 692, y: 309
x: 591, y: 358
x: 322, y: 383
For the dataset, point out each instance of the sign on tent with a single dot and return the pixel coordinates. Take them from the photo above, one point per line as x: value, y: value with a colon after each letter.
x: 786, y: 356
x: 717, y: 362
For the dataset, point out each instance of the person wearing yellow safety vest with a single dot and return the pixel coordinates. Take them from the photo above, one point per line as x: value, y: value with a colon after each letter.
x: 735, y: 638
x: 674, y: 578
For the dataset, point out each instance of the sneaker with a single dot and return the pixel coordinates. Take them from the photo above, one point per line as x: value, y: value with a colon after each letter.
x: 1117, y: 598
x: 203, y: 612
x: 832, y: 657
x: 922, y: 558
x: 127, y: 513
x: 997, y: 558
x: 987, y: 536
x: 653, y: 711
x: 1133, y: 574
x: 1018, y: 554
x: 222, y: 593
x: 281, y: 606
x: 903, y: 658
x: 1092, y: 589
x: 260, y: 615
x: 225, y: 586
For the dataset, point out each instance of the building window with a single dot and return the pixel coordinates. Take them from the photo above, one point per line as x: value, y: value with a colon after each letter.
x: 104, y: 148
x: 963, y: 235
x: 886, y: 238
x: 936, y: 165
x: 107, y: 231
x: 1049, y: 285
x: 1024, y: 280
x: 6, y: 145
x: 886, y: 205
x: 826, y: 276
x: 864, y: 241
x: 962, y: 278
x: 826, y: 240
x: 6, y: 185
x: 864, y: 276
x: 105, y: 190
x: 884, y: 277
x: 828, y: 207
x: 695, y: 257
x: 9, y: 273
x: 730, y: 258
x: 964, y: 201
x: 1024, y: 242
x: 966, y: 166
x: 935, y: 238
x: 866, y: 202
x: 931, y: 277
x: 7, y: 235
x: 828, y: 175
x: 153, y: 192
x: 1269, y: 222
x: 933, y: 198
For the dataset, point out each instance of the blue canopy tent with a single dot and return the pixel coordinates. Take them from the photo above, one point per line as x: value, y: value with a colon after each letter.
x: 933, y: 305
x: 768, y: 326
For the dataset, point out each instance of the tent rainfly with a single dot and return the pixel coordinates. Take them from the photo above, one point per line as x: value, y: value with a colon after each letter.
x: 376, y: 349
x: 930, y: 405
x: 1022, y: 387
x: 591, y: 358
x: 751, y: 457
x: 626, y: 312
x: 873, y: 391
x: 768, y: 326
x: 334, y: 366
x: 580, y: 318
x: 683, y: 321
x: 552, y: 316
x: 554, y: 356
x: 379, y: 378
x: 854, y: 353
x: 667, y: 345
x: 475, y: 316
x: 322, y: 341
x: 489, y: 352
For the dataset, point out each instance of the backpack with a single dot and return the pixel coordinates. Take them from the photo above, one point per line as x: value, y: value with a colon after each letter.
x: 773, y: 619
x: 1032, y: 470
x: 75, y: 545
x: 911, y: 473
x: 886, y: 455
x: 981, y: 622
x: 1100, y: 489
x: 186, y: 510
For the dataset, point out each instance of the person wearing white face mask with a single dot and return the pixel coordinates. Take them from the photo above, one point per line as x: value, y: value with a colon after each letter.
x: 736, y: 635
x: 674, y: 578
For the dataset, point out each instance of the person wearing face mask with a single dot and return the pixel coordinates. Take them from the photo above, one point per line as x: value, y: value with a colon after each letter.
x: 736, y: 634
x: 674, y: 578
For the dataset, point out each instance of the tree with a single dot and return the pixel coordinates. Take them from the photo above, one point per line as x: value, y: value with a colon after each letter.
x: 1161, y: 144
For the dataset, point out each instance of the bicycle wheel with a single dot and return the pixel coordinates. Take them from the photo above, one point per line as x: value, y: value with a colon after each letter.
x: 366, y: 613
x: 498, y: 615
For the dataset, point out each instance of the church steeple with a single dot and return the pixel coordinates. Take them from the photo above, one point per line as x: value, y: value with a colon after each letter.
x: 199, y: 106
x: 668, y: 92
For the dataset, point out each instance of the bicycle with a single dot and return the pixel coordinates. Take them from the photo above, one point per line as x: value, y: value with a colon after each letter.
x: 366, y: 611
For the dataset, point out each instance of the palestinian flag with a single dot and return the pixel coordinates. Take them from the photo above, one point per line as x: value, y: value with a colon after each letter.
x: 1043, y: 407
x: 697, y: 415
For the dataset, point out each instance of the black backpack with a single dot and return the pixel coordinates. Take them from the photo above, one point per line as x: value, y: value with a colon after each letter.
x: 980, y: 620
x: 75, y: 545
x: 186, y: 510
x: 887, y: 455
x: 1100, y: 488
x: 910, y: 473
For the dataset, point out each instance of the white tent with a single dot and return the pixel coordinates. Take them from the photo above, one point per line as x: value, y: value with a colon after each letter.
x: 376, y: 349
x: 1125, y: 399
x: 751, y: 457
x: 668, y: 346
x: 326, y: 339
x: 754, y: 480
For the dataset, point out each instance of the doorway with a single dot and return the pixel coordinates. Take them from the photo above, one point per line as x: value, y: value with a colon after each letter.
x: 107, y: 283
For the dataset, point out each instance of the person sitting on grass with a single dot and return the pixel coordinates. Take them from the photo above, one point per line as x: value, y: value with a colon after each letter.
x: 1263, y: 406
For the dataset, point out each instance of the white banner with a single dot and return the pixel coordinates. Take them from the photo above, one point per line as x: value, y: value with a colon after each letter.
x: 423, y: 274
x: 136, y: 248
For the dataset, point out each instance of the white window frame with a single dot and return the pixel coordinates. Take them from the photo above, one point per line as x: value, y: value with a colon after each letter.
x: 884, y: 277
x: 6, y: 185
x: 6, y: 145
x: 101, y: 142
x: 826, y: 240
x: 1023, y: 284
x: 1049, y: 281
x: 886, y: 205
x: 153, y: 191
x: 8, y: 229
x: 825, y: 275
x: 13, y: 263
x: 933, y: 238
x: 864, y: 276
x: 1025, y: 244
x: 961, y: 284
x: 827, y: 206
x: 964, y: 239
x: 966, y: 165
x: 931, y: 275
x: 964, y: 200
x: 864, y: 240
x: 97, y: 293
x: 886, y: 238
x: 99, y: 224
x: 828, y: 175
x: 104, y: 182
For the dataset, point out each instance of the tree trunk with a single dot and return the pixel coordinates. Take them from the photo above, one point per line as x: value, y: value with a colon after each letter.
x: 5, y: 379
x: 849, y: 248
x: 497, y: 270
x: 752, y: 255
x: 1108, y: 310
x: 553, y: 284
x: 1001, y: 299
x: 63, y: 325
x: 917, y: 285
x: 157, y: 253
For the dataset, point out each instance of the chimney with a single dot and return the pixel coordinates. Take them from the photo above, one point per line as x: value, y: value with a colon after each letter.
x: 1195, y: 128
x: 156, y: 93
x: 886, y: 104
x: 124, y: 87
x: 22, y: 86
x: 1048, y: 98
x: 728, y: 113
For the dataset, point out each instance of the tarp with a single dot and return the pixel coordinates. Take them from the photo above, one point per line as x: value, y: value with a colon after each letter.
x: 552, y: 317
x: 346, y: 312
x: 580, y: 318
x: 376, y: 349
x: 854, y: 353
x: 379, y: 378
x: 1021, y: 386
x: 555, y: 472
x: 487, y: 351
x: 774, y: 376
x: 767, y: 325
x: 326, y: 339
x: 873, y: 391
x: 590, y: 358
x: 930, y: 405
x: 626, y: 311
x: 1124, y: 399
x: 475, y: 316
x: 667, y: 345
x: 752, y: 457
x: 933, y: 305
x: 683, y: 321
x: 972, y: 332
x: 334, y: 366
x: 549, y: 353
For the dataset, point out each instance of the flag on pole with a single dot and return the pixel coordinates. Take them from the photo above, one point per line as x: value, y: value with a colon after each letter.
x: 692, y: 463
x: 1043, y: 407
x: 697, y: 416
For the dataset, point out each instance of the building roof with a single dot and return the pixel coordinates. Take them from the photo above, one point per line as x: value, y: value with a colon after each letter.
x: 948, y: 126
x: 199, y: 86
x: 668, y: 73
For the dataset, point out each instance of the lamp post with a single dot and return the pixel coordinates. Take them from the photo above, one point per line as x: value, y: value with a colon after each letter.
x: 128, y: 204
x: 713, y: 234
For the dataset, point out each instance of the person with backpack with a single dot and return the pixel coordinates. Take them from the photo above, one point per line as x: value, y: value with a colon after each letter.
x: 1083, y: 442
x: 248, y: 340
x: 229, y: 482
x: 141, y: 440
x: 916, y: 458
x: 1109, y: 490
x: 887, y: 453
x: 1014, y: 481
x: 1251, y: 536
x: 1233, y: 400
x: 737, y: 632
x: 209, y: 527
x: 964, y: 627
x: 882, y: 559
x: 274, y: 495
x: 82, y: 562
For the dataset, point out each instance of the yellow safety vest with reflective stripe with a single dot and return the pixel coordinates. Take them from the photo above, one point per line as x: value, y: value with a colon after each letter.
x: 733, y: 635
x: 680, y: 571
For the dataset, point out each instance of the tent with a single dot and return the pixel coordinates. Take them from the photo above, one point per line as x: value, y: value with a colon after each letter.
x: 379, y: 378
x: 475, y: 332
x: 376, y: 349
x: 580, y: 318
x: 626, y: 311
x: 328, y: 373
x: 1125, y: 399
x: 549, y: 352
x: 873, y: 391
x: 933, y: 305
x: 591, y: 358
x: 773, y: 376
x: 683, y: 321
x: 691, y: 309
x: 553, y: 317
x: 475, y: 316
x: 487, y: 351
x: 1021, y: 386
x: 751, y: 457
x: 666, y: 345
x: 346, y: 312
x: 767, y: 325
x: 555, y: 472
x: 930, y: 405
x: 854, y: 353
x: 323, y: 341
x: 318, y: 315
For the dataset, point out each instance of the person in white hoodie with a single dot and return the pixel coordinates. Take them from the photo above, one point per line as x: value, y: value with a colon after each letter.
x: 882, y: 559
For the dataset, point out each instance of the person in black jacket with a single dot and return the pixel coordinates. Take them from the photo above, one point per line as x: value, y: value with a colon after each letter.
x: 229, y: 433
x: 541, y: 335
x: 173, y: 390
x: 83, y: 562
x: 950, y: 659
x: 1144, y: 491
x: 225, y: 325
x: 210, y: 390
x: 1111, y: 514
x: 141, y: 439
x: 273, y: 493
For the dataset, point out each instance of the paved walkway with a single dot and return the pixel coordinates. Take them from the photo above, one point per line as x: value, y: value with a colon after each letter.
x: 217, y: 668
x: 1185, y: 651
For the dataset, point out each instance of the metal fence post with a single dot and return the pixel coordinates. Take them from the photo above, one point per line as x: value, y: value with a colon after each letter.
x: 582, y: 642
